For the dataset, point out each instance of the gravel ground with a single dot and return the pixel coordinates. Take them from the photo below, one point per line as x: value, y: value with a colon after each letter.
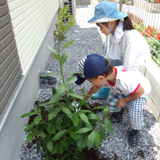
x: 88, y: 39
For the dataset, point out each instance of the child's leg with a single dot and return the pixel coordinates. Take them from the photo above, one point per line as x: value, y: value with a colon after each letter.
x: 117, y: 113
x: 135, y: 109
x: 112, y: 101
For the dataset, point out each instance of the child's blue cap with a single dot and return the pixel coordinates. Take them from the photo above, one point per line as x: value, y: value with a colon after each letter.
x: 106, y: 11
x: 92, y: 66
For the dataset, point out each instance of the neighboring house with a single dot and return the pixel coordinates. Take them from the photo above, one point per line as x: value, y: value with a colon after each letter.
x: 26, y: 26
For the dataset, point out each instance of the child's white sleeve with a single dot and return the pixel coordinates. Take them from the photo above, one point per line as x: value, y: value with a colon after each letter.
x: 129, y: 55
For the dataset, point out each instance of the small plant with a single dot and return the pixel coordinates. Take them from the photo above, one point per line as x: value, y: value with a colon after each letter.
x: 68, y: 127
x: 152, y: 36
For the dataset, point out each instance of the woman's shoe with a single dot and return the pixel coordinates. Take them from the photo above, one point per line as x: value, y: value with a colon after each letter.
x: 102, y: 94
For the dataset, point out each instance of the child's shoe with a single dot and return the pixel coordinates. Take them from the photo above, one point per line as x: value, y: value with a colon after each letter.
x: 117, y: 116
x: 133, y: 138
x: 102, y: 94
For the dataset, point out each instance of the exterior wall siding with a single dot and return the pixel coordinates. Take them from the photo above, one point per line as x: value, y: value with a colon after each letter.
x: 10, y: 69
x: 26, y: 26
x: 31, y: 20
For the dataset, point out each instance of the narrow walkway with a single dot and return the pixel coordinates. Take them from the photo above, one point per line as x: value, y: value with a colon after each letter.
x: 88, y: 39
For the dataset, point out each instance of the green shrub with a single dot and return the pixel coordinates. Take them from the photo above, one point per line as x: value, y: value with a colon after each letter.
x: 68, y: 127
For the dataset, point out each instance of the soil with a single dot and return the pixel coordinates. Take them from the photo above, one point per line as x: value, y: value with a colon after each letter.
x: 91, y: 154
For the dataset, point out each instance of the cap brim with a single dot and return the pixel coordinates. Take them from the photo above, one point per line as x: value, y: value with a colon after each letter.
x: 104, y: 19
x: 120, y: 15
x: 80, y: 80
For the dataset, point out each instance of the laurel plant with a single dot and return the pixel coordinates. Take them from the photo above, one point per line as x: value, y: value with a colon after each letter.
x: 67, y: 129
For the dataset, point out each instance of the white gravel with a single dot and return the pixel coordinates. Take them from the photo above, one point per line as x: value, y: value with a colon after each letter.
x: 88, y: 39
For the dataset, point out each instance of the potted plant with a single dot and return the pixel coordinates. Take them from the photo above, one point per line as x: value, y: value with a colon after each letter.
x: 67, y: 127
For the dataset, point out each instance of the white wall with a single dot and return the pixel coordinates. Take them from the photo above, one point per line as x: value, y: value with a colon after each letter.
x: 31, y: 20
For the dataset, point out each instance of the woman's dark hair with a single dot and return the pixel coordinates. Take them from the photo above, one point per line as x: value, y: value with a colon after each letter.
x: 127, y: 24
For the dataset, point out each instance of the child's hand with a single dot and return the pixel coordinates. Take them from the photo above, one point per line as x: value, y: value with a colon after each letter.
x: 85, y: 97
x: 121, y: 103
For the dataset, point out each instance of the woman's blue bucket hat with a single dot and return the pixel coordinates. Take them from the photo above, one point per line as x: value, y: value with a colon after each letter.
x: 106, y: 11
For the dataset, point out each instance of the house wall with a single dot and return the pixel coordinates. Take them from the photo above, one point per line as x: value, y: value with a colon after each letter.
x: 10, y: 70
x: 31, y: 27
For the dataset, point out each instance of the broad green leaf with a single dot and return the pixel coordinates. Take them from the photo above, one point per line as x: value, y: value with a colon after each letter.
x: 109, y: 126
x: 105, y: 111
x: 59, y: 135
x: 41, y: 133
x: 51, y: 129
x: 102, y: 131
x: 54, y: 99
x: 28, y: 114
x: 63, y: 58
x: 39, y: 144
x: 63, y: 88
x: 90, y: 140
x: 36, y: 109
x: 56, y: 56
x: 50, y: 146
x: 79, y: 144
x: 51, y: 49
x: 73, y: 135
x: 71, y: 80
x: 82, y: 90
x: 67, y: 112
x: 63, y: 38
x: 60, y: 11
x: 93, y: 116
x: 30, y: 136
x: 60, y: 147
x: 37, y: 119
x: 59, y: 120
x: 65, y: 9
x: 83, y: 130
x: 71, y: 23
x: 100, y: 107
x: 97, y: 138
x: 86, y: 104
x: 47, y: 158
x: 55, y: 148
x: 49, y: 108
x: 76, y: 96
x: 64, y: 142
x: 30, y: 127
x: 75, y: 119
x: 84, y: 143
x: 54, y: 113
x: 54, y: 91
x: 65, y: 155
x: 83, y: 117
x: 68, y: 44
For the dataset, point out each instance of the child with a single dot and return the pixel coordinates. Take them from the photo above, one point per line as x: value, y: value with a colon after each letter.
x: 128, y: 83
x: 126, y: 45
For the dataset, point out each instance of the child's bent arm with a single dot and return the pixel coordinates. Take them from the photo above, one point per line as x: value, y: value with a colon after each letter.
x: 92, y: 90
x: 123, y: 102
